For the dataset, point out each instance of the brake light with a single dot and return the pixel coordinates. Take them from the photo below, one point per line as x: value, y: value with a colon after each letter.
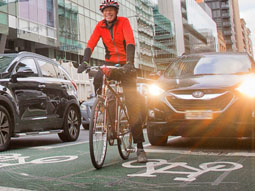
x: 74, y: 85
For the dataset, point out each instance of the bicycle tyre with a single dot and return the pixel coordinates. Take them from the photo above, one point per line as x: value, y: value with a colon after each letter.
x: 98, y: 134
x: 124, y: 135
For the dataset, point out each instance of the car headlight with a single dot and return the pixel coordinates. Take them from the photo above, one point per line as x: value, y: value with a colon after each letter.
x: 155, y: 90
x: 247, y: 87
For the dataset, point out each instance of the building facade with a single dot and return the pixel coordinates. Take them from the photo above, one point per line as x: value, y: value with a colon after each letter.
x: 194, y: 28
x: 221, y: 42
x: 145, y: 27
x: 200, y: 29
x: 164, y: 40
x: 246, y: 38
x: 238, y: 29
x: 223, y: 15
x: 172, y: 10
x: 56, y: 28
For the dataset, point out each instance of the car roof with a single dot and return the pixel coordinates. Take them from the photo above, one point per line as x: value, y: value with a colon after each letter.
x: 24, y: 54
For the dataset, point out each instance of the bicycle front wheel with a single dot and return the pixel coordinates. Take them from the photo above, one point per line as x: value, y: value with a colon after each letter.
x: 124, y: 135
x: 98, y: 133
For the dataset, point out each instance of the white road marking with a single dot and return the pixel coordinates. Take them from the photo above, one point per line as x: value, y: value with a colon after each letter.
x: 11, y: 189
x: 59, y: 146
x: 161, y: 149
x: 199, y: 153
x: 165, y: 167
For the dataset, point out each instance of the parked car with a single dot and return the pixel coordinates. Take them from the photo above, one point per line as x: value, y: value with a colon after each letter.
x: 37, y: 96
x: 86, y: 108
x: 209, y: 94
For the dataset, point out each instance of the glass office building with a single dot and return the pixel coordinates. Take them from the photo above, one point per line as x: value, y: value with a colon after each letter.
x: 223, y: 15
x: 77, y: 20
x: 203, y: 34
x: 145, y: 26
x: 56, y: 28
x: 164, y: 40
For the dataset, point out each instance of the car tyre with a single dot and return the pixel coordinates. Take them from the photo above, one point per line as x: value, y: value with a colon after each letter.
x: 71, y: 125
x: 85, y: 126
x: 5, y: 128
x: 155, y: 140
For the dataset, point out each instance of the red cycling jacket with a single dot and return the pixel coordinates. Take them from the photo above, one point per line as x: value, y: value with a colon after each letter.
x: 116, y: 45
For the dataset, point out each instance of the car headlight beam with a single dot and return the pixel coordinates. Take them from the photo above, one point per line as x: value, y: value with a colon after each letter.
x: 247, y: 87
x: 155, y: 90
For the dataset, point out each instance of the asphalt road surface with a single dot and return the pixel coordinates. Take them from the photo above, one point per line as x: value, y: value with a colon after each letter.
x: 45, y: 163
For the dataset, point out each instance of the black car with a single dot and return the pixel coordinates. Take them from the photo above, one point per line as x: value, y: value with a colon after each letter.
x: 209, y: 95
x: 37, y: 96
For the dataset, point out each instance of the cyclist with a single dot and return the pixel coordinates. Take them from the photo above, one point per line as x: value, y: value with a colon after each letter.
x: 118, y: 39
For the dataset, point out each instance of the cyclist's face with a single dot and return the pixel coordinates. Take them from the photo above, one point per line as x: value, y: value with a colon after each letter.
x: 110, y: 14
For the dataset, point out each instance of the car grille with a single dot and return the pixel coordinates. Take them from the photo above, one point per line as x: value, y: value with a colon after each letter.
x: 215, y: 104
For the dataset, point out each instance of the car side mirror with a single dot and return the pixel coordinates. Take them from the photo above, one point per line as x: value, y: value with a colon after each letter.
x: 22, y: 72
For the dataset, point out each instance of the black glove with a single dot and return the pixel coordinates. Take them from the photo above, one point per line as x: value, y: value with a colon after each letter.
x: 116, y: 74
x: 83, y: 66
x: 129, y: 68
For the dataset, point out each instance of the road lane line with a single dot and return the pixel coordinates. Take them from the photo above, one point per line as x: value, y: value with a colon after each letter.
x: 200, y: 153
x: 59, y: 146
x: 11, y: 189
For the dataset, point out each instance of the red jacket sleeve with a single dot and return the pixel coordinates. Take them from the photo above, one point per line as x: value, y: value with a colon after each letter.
x: 128, y: 33
x: 94, y: 38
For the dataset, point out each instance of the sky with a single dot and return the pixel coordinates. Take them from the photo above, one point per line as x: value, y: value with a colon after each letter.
x: 247, y: 12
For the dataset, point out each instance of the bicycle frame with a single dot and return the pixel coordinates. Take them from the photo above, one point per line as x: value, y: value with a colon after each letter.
x: 119, y: 102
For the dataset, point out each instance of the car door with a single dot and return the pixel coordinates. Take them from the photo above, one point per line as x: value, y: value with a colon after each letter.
x: 55, y: 91
x: 27, y: 91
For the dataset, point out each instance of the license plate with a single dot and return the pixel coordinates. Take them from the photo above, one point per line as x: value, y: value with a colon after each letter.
x: 198, y: 114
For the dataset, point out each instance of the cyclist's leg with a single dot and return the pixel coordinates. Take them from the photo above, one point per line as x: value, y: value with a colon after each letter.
x: 98, y: 82
x: 134, y: 106
x: 133, y: 103
x: 112, y: 111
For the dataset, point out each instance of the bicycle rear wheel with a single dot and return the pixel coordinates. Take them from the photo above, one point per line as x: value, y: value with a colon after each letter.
x: 124, y: 135
x: 98, y: 134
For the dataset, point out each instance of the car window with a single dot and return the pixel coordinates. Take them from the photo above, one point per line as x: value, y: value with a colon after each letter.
x: 28, y: 64
x: 5, y: 61
x: 47, y: 69
x: 209, y: 65
x: 61, y: 74
x: 64, y: 74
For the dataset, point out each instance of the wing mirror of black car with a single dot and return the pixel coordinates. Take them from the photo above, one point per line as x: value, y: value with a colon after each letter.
x: 22, y: 72
x: 155, y: 75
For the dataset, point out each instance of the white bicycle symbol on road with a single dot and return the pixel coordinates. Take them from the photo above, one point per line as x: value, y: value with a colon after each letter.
x: 7, y: 160
x: 160, y: 166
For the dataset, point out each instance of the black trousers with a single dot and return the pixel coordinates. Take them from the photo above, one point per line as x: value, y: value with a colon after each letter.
x: 134, y: 101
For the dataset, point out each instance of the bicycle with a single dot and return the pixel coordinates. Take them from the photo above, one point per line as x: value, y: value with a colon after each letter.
x: 100, y: 124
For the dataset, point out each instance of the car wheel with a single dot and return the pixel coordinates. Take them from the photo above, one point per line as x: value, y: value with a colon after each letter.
x: 85, y: 126
x: 5, y: 128
x: 155, y: 139
x: 71, y: 125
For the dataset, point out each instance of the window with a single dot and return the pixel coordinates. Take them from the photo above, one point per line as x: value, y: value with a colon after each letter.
x: 63, y: 74
x: 47, y: 69
x: 27, y: 64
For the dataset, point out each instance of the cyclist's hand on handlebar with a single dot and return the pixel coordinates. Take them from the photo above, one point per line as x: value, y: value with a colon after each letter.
x: 129, y: 68
x: 83, y: 66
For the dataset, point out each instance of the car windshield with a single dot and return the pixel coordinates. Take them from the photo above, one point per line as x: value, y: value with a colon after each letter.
x: 5, y: 62
x: 209, y: 65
